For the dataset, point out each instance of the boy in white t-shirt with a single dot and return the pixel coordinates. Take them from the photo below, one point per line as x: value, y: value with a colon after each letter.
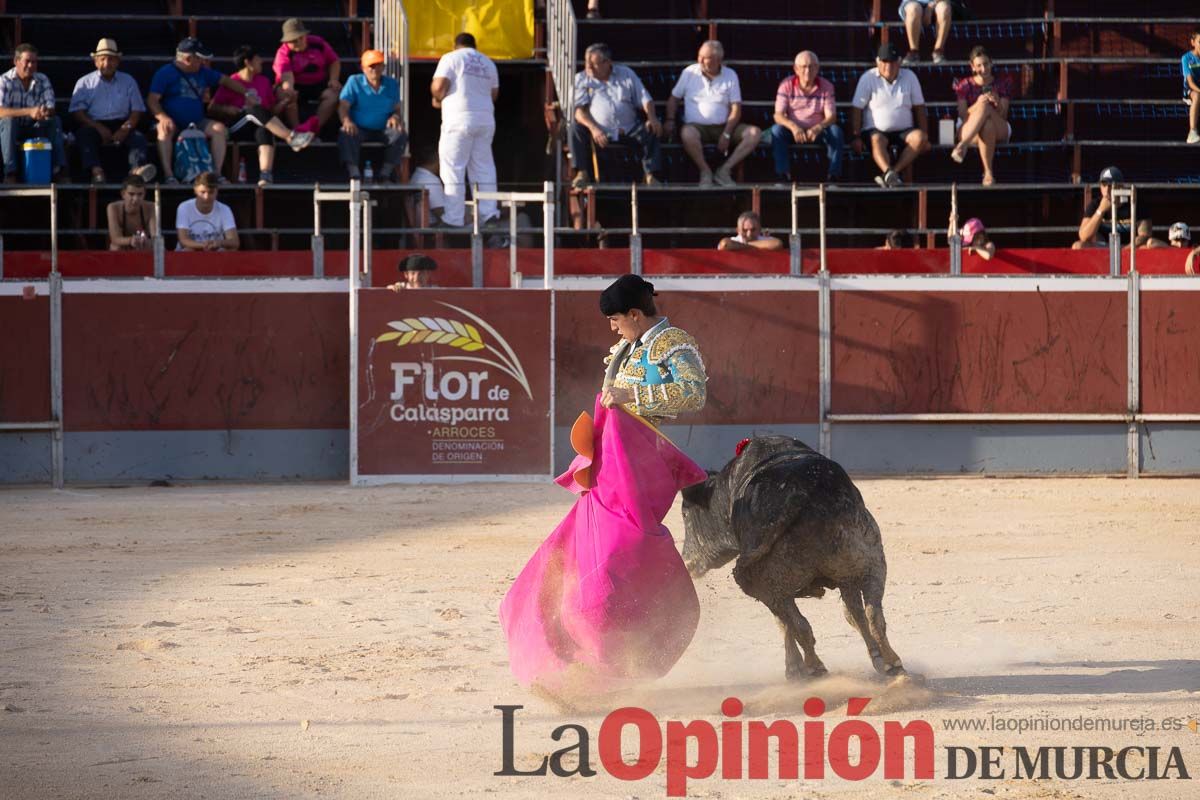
x: 426, y: 176
x: 465, y: 85
x: 203, y: 223
x: 712, y: 114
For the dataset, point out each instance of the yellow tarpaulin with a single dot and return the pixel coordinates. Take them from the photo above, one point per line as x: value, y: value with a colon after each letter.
x: 502, y: 28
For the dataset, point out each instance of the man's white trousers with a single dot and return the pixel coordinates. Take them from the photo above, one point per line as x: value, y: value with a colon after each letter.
x: 465, y: 152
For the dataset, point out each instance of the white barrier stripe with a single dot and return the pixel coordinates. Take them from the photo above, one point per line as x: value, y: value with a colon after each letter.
x: 9, y: 288
x: 207, y: 286
x: 969, y: 416
x: 1169, y: 283
x: 683, y: 283
x: 732, y: 283
x: 384, y: 480
x: 978, y: 283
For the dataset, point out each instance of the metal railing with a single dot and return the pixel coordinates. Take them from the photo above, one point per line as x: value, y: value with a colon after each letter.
x: 512, y: 200
x: 54, y: 286
x: 561, y: 35
x: 391, y: 38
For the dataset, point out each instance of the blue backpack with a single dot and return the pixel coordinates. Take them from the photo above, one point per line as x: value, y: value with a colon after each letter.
x: 192, y: 155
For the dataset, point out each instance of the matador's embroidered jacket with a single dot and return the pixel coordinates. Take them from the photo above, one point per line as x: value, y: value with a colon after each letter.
x: 663, y: 368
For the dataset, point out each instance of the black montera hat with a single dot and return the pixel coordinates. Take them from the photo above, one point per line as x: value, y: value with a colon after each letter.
x: 626, y: 292
x: 417, y: 262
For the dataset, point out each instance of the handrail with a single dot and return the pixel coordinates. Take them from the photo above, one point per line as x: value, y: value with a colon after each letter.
x: 561, y: 40
x: 391, y: 37
x: 54, y: 282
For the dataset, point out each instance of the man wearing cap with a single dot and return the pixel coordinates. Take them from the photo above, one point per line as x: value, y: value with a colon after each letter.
x: 1096, y: 226
x: 1180, y: 235
x: 465, y: 85
x: 307, y: 70
x: 370, y: 110
x: 203, y: 223
x: 177, y: 100
x: 107, y: 104
x: 889, y: 111
x: 27, y: 111
x: 417, y: 270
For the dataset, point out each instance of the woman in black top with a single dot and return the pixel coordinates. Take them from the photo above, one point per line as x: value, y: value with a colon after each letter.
x: 131, y: 219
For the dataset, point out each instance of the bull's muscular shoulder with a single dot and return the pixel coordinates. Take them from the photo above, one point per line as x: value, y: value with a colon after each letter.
x: 670, y: 340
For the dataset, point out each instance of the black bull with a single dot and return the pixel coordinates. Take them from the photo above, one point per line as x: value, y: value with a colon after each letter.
x: 797, y: 526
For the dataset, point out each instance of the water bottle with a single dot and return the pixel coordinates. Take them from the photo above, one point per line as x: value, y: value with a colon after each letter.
x: 369, y: 172
x: 242, y: 170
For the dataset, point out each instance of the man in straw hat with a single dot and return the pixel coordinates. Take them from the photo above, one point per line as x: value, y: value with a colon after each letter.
x: 307, y: 71
x: 107, y: 104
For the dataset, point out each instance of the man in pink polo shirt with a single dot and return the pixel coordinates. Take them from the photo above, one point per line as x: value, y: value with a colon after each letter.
x: 307, y: 70
x: 805, y: 112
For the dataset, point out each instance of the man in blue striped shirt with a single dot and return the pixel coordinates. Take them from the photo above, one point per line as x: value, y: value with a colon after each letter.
x: 27, y: 111
x: 608, y: 97
x: 108, y: 105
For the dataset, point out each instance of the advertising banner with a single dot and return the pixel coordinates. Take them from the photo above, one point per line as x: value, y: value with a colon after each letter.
x: 453, y: 382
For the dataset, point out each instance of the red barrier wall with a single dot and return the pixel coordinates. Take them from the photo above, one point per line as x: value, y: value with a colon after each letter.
x: 454, y: 266
x: 1170, y: 357
x: 280, y: 360
x: 205, y: 361
x: 759, y: 349
x: 24, y: 359
x: 1005, y: 352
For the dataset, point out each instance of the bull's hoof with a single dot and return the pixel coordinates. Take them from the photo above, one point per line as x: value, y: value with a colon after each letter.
x: 806, y: 673
x: 880, y: 665
x: 896, y: 671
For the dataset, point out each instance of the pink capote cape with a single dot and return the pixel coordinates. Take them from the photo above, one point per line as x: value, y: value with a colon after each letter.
x: 606, y: 597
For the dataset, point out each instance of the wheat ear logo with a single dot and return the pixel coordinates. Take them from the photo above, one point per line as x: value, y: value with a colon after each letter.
x: 461, y: 336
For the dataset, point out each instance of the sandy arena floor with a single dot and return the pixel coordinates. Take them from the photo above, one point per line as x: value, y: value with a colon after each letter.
x: 317, y: 640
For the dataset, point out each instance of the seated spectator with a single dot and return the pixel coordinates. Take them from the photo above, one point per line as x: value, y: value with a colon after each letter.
x: 1096, y: 225
x: 370, y: 111
x: 917, y: 14
x: 426, y: 175
x: 593, y: 9
x: 1180, y: 235
x: 1189, y: 264
x: 108, y: 106
x: 204, y: 223
x: 307, y: 71
x: 983, y: 100
x: 1144, y: 240
x: 889, y: 111
x: 1190, y: 64
x: 256, y: 114
x: 27, y: 112
x: 805, y: 112
x: 712, y: 103
x: 975, y: 239
x: 750, y: 235
x: 131, y: 223
x: 894, y: 241
x: 608, y: 98
x: 177, y: 99
x: 417, y: 272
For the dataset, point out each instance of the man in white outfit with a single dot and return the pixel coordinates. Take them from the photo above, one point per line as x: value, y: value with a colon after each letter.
x: 465, y: 84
